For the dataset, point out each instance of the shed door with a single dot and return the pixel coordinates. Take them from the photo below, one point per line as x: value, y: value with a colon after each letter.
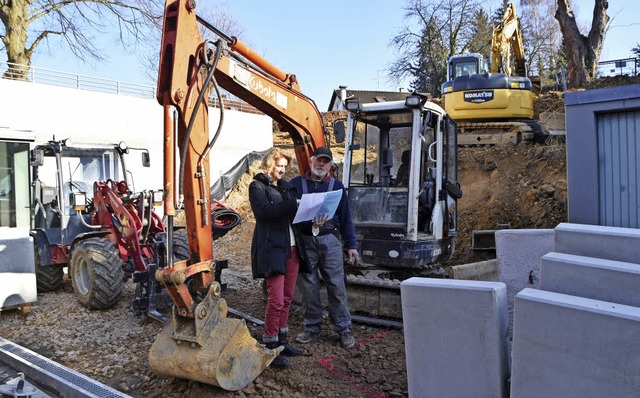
x: 618, y: 169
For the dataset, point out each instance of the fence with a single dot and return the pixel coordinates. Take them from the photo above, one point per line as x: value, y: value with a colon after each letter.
x: 35, y: 74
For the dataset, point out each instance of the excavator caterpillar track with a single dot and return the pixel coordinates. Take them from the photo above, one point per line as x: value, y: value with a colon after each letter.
x: 494, y: 133
x: 374, y: 297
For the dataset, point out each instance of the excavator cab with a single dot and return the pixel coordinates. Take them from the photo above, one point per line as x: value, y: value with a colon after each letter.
x: 466, y: 65
x: 400, y: 170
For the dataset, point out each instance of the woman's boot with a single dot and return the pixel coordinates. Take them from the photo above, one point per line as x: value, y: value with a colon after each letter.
x: 289, y: 350
x: 279, y: 361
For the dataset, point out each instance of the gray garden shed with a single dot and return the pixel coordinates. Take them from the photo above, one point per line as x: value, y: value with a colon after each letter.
x: 603, y: 156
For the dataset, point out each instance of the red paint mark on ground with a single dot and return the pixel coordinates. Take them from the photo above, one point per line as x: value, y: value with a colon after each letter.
x: 327, y: 363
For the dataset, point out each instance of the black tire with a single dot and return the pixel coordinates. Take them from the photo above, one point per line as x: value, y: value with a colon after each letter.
x: 48, y: 278
x: 96, y: 273
x: 180, y: 246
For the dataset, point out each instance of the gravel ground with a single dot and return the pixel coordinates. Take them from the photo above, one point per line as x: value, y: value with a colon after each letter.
x: 112, y: 347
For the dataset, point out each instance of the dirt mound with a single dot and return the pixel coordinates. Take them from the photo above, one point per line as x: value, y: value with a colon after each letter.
x: 552, y: 101
x: 521, y: 186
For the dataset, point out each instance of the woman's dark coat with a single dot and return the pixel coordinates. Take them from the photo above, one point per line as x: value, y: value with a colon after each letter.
x: 274, y: 207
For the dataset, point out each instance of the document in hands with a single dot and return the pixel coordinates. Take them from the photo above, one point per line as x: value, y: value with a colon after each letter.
x: 315, y: 204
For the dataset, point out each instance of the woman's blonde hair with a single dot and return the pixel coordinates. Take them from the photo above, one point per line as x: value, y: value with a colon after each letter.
x: 269, y: 161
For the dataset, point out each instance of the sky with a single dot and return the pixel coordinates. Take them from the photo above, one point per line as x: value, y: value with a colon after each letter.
x: 331, y: 43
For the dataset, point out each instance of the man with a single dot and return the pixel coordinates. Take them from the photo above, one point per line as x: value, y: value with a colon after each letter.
x: 324, y: 254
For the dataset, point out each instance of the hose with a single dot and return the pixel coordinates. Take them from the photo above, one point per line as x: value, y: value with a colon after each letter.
x: 223, y: 220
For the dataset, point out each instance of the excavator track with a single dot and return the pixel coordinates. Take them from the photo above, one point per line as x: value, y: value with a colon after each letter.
x: 493, y: 133
x: 374, y: 297
x: 500, y: 133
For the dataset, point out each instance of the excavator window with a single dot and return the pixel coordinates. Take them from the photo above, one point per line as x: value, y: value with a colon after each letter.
x: 466, y: 69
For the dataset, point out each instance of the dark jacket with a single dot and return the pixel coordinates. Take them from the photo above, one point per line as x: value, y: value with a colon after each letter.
x: 274, y: 207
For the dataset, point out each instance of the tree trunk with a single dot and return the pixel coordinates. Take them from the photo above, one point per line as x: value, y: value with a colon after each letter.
x: 583, y: 52
x: 15, y: 40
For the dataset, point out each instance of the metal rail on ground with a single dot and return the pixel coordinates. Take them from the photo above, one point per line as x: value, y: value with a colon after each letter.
x: 64, y: 382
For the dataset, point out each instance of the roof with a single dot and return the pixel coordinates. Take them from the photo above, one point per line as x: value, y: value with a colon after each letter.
x: 367, y: 96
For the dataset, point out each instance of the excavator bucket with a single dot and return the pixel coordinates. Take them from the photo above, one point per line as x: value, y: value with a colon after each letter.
x: 213, y: 350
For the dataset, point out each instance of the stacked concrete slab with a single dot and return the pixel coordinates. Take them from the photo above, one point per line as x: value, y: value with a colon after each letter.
x: 568, y: 346
x: 518, y: 252
x: 589, y: 277
x: 455, y: 338
x: 577, y: 336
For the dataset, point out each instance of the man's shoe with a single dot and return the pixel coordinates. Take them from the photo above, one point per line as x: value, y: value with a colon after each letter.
x: 306, y: 337
x: 347, y: 340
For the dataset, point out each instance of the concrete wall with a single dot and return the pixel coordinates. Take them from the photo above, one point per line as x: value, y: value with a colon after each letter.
x: 518, y: 252
x: 574, y: 347
x: 455, y: 338
x: 589, y: 277
x: 611, y: 243
x: 93, y: 117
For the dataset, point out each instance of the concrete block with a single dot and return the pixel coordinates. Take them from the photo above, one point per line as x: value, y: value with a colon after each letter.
x: 455, y: 338
x: 480, y: 271
x: 589, y: 277
x: 518, y: 252
x: 568, y: 346
x: 17, y: 268
x: 611, y: 243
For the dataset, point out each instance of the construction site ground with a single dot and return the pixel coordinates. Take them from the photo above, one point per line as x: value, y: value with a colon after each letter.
x: 522, y: 186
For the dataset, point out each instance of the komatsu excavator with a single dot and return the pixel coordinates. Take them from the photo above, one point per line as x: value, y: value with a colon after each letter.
x: 493, y: 105
x: 406, y: 221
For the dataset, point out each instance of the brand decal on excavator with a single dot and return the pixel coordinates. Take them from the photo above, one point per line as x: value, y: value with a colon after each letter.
x: 267, y: 92
x: 478, y: 97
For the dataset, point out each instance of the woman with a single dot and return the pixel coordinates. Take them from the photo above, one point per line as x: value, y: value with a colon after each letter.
x: 277, y: 252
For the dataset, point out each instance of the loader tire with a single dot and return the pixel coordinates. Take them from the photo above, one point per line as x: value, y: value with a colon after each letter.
x: 96, y: 273
x: 180, y: 245
x: 48, y: 278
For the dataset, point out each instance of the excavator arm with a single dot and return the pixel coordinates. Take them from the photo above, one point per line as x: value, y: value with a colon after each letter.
x: 507, y: 35
x: 247, y: 75
x: 200, y: 343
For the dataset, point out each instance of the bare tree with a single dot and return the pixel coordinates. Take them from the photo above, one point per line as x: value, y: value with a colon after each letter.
x: 541, y: 34
x: 444, y: 28
x: 27, y: 24
x: 583, y: 52
x: 217, y: 14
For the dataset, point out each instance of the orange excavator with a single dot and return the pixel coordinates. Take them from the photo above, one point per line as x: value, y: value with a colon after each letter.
x: 201, y: 343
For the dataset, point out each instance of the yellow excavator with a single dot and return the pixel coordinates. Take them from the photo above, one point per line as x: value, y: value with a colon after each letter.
x: 493, y: 105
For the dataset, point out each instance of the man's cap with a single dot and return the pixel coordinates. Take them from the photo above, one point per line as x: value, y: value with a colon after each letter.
x: 322, y: 151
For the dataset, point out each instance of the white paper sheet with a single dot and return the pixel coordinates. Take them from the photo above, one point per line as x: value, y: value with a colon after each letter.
x: 315, y: 204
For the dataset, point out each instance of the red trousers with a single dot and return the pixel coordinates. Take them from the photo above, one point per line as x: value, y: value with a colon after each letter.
x: 280, y: 295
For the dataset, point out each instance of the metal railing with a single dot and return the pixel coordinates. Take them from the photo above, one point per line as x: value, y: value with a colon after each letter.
x: 35, y: 74
x: 52, y: 77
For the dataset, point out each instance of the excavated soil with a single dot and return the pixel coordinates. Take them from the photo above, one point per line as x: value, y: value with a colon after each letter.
x: 521, y: 186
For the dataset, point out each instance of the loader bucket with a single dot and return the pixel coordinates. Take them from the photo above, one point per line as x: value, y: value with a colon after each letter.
x: 216, y: 350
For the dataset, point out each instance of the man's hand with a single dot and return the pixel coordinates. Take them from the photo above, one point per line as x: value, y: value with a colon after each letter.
x: 353, y: 257
x: 320, y: 220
